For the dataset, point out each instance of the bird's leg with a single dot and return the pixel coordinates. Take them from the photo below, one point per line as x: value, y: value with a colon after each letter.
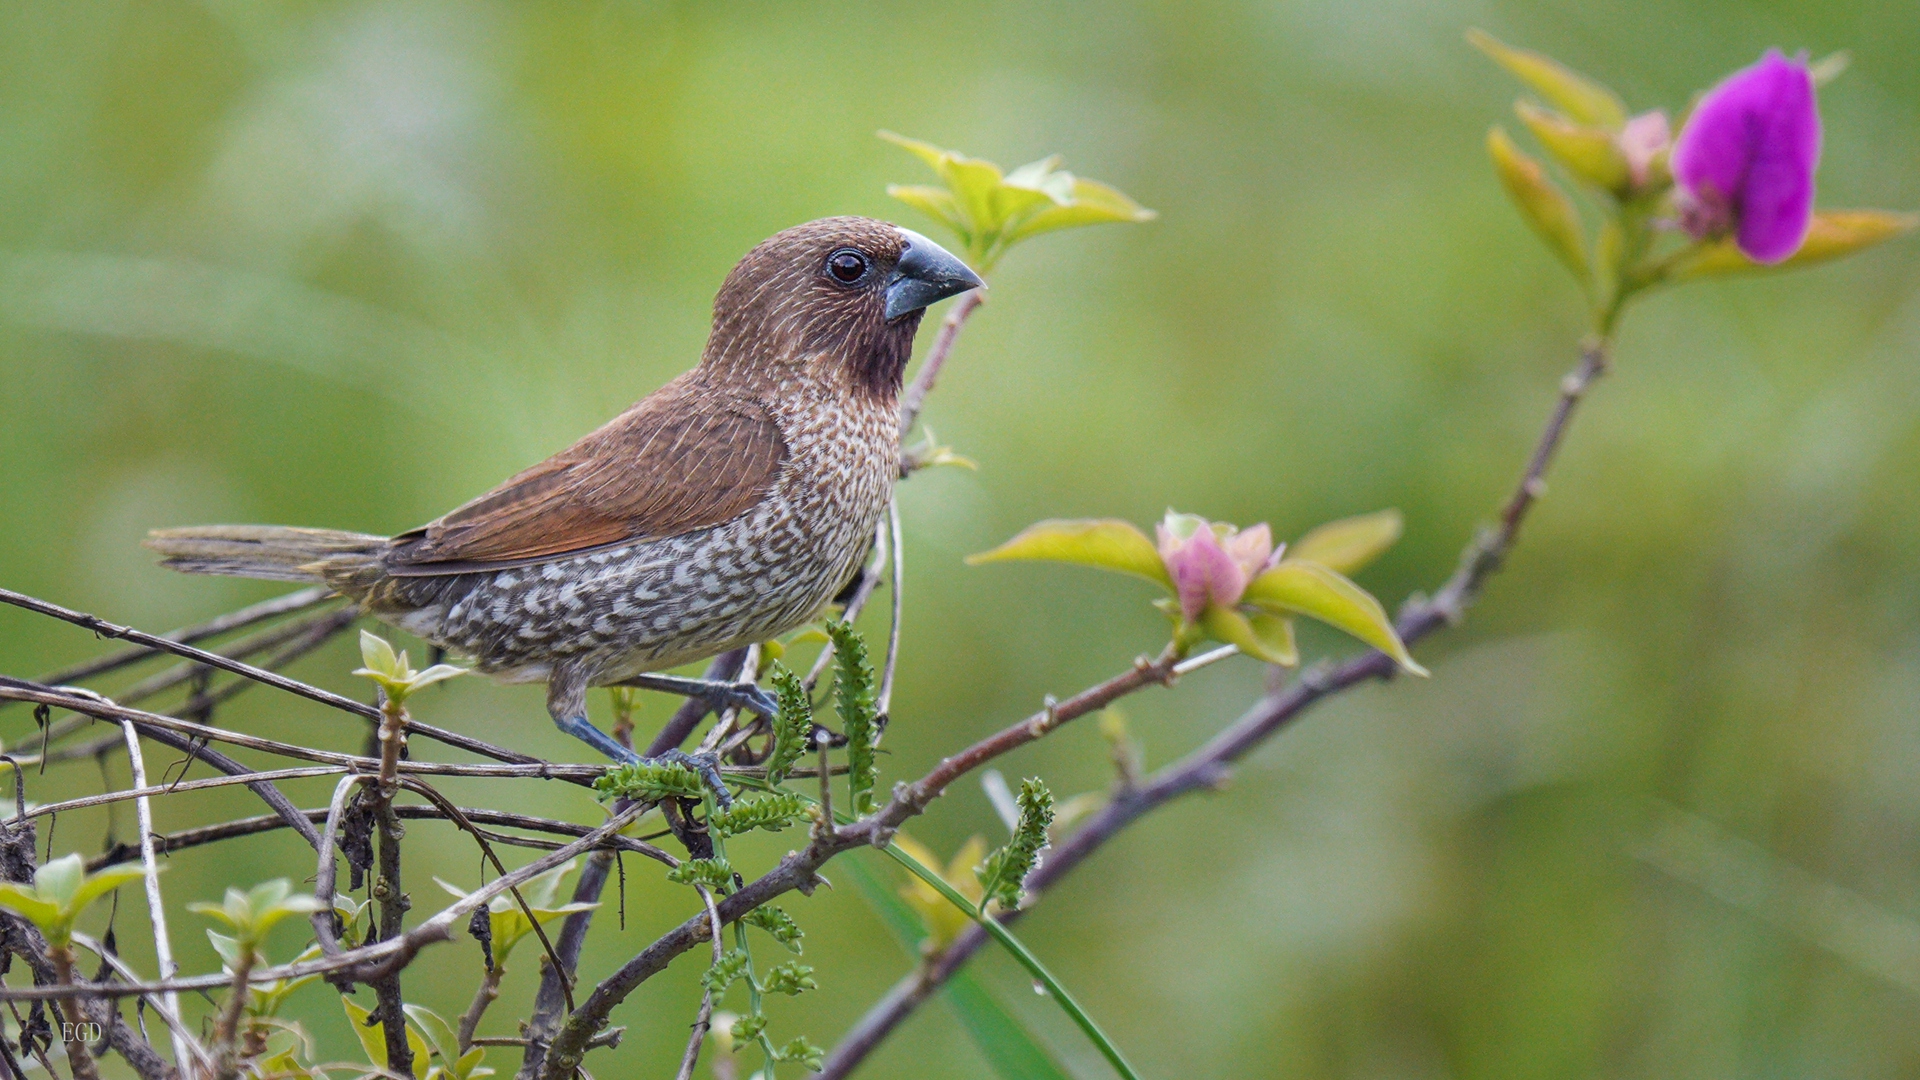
x: 741, y: 695
x: 567, y: 704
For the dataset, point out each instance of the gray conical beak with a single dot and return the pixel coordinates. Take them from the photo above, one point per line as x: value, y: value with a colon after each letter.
x: 926, y: 273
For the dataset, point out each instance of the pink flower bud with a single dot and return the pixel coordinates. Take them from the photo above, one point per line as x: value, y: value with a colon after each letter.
x: 1744, y: 163
x: 1211, y: 564
x: 1643, y: 138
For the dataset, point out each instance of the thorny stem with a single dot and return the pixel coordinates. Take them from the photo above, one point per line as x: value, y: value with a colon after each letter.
x: 1207, y: 766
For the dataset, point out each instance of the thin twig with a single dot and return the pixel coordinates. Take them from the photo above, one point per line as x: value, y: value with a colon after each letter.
x: 704, y: 1019
x: 274, y: 679
x: 156, y: 906
x: 363, y: 964
x: 228, y: 830
x: 915, y: 395
x: 233, y: 620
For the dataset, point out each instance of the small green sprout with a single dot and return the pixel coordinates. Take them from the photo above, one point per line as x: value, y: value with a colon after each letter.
x: 731, y: 966
x: 393, y: 673
x: 991, y: 211
x: 251, y: 914
x: 507, y: 924
x: 61, y: 891
x: 453, y: 1064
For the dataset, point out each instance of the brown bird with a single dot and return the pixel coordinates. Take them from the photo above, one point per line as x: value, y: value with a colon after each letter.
x: 725, y: 508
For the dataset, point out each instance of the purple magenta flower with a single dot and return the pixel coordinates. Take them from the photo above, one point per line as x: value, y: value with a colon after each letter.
x: 1744, y: 162
x: 1211, y: 564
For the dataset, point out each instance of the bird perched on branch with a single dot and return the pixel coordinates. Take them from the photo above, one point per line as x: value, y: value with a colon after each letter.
x: 725, y: 508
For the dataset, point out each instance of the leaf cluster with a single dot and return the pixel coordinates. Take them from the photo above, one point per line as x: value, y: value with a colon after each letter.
x: 991, y: 210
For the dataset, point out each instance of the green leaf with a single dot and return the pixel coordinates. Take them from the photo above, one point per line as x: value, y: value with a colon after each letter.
x: 1580, y: 97
x: 927, y: 152
x: 1589, y: 153
x: 1834, y: 234
x: 445, y: 1040
x: 1540, y: 200
x: 936, y: 203
x: 228, y: 948
x: 1107, y: 544
x: 60, y: 879
x: 98, y: 885
x: 373, y: 1040
x: 377, y: 655
x: 1270, y: 639
x: 1310, y: 589
x: 1349, y: 544
x: 31, y: 906
x: 434, y: 674
x: 1093, y: 203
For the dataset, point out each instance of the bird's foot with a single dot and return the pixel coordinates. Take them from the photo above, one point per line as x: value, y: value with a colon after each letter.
x: 708, y: 766
x: 740, y: 695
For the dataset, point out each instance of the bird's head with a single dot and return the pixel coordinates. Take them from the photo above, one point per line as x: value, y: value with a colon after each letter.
x: 839, y: 299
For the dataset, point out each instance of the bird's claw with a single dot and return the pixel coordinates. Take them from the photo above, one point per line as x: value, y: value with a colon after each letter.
x: 708, y: 766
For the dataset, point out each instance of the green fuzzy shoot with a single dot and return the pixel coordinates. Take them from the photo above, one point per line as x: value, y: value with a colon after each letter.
x: 802, y: 1052
x: 769, y: 812
x: 748, y: 1028
x: 724, y: 972
x: 1002, y: 873
x: 790, y: 978
x: 791, y: 726
x: 778, y: 923
x: 713, y: 873
x: 853, y: 689
x: 650, y: 781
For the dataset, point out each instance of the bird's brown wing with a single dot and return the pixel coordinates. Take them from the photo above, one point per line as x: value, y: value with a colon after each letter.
x: 677, y: 461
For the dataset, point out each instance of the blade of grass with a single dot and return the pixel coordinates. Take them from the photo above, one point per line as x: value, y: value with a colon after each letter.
x: 1011, y: 1049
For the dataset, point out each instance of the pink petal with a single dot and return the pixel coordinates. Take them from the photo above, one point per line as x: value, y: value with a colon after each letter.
x: 1251, y: 549
x: 1203, y: 572
x: 1746, y: 159
x: 1641, y: 140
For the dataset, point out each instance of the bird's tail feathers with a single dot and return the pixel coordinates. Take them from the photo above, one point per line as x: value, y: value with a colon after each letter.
x: 268, y: 552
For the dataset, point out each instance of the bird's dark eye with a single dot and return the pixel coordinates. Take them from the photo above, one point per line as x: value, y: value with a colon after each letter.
x: 847, y: 266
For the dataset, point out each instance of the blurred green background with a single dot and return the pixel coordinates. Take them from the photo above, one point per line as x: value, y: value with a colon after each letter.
x: 1654, y: 816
